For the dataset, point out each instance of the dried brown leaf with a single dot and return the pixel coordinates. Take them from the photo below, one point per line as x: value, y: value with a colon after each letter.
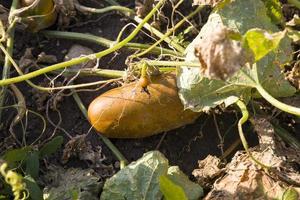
x: 246, y: 180
x: 143, y: 7
x: 208, y: 170
x: 220, y: 56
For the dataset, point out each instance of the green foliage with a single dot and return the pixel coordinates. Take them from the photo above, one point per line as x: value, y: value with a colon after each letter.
x: 28, y: 159
x: 141, y: 180
x: 274, y: 10
x: 290, y: 194
x: 51, y: 147
x: 16, y: 155
x: 32, y: 164
x: 261, y: 42
x: 201, y: 94
x: 34, y: 190
x: 170, y: 190
x: 192, y: 190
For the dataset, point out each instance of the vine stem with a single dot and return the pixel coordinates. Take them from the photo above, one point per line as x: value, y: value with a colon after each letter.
x: 84, y: 58
x: 105, y: 42
x: 110, y: 145
x: 244, y: 118
x: 282, y: 106
x: 113, y: 74
x: 138, y: 20
x: 10, y: 34
x: 123, y: 9
x: 296, y: 3
x: 169, y: 32
x: 171, y: 63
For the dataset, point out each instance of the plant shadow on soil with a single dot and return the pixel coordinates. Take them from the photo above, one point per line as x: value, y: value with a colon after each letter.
x: 183, y: 146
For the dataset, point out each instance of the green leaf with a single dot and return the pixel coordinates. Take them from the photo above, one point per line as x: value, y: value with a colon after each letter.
x: 192, y: 190
x: 199, y: 93
x: 34, y: 190
x: 274, y: 10
x: 16, y: 155
x: 170, y: 190
x: 141, y: 180
x: 290, y: 194
x: 51, y: 147
x: 33, y: 164
x: 261, y: 42
x: 138, y: 180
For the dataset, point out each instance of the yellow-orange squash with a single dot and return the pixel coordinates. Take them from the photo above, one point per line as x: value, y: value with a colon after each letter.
x: 132, y: 111
x: 39, y: 14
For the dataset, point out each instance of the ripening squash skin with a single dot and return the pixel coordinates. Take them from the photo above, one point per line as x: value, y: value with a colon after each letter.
x: 39, y: 16
x: 131, y: 111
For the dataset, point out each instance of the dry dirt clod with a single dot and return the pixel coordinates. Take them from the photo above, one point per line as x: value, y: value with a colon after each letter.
x: 81, y: 148
x: 41, y: 98
x: 208, y: 170
x: 78, y: 51
x: 220, y: 56
x: 143, y: 7
x: 66, y: 12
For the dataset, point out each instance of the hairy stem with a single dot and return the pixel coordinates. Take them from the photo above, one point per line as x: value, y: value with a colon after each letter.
x: 103, y: 73
x: 105, y: 42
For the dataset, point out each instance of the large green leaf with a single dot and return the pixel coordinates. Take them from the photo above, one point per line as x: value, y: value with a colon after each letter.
x: 201, y: 94
x: 170, y: 190
x: 192, y: 190
x: 140, y: 180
